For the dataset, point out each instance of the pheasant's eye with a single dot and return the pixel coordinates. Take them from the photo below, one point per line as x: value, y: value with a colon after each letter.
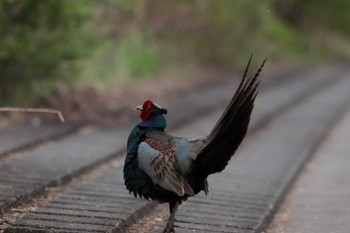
x: 149, y: 107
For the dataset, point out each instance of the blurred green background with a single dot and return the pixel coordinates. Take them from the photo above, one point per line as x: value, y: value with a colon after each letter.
x: 46, y: 44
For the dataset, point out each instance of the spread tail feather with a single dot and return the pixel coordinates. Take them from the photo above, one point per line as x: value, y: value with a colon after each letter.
x: 230, y: 129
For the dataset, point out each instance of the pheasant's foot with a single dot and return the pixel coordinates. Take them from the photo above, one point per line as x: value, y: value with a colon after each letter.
x: 170, y: 225
x: 169, y: 228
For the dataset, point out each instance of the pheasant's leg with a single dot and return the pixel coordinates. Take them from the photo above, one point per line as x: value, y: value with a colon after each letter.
x: 170, y: 225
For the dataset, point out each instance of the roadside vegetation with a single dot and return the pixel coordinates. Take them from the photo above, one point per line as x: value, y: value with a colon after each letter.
x: 48, y: 44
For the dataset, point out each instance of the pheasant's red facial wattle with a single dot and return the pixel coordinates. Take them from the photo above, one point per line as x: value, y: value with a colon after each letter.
x: 147, y: 109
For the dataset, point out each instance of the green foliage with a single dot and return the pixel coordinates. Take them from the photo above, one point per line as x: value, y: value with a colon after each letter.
x: 235, y: 29
x: 130, y: 57
x: 138, y: 57
x: 46, y: 42
x: 223, y: 33
x: 333, y: 15
x: 39, y: 39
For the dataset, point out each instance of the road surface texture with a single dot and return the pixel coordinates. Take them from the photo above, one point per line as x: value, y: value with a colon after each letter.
x: 64, y: 178
x: 319, y: 200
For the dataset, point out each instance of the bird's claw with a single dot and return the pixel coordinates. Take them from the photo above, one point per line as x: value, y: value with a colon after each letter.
x: 169, y: 228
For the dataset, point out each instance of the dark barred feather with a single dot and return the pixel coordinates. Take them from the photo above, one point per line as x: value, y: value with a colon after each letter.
x: 230, y: 130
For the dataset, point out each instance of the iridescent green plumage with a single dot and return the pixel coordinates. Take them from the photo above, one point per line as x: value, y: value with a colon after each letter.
x: 136, y: 179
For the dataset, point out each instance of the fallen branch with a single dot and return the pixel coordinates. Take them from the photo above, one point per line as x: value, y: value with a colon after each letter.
x: 37, y: 110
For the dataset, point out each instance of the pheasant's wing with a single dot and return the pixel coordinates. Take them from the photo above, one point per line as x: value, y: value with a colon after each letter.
x: 187, y: 151
x: 163, y: 169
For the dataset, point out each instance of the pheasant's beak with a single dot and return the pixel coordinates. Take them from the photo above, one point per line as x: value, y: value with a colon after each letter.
x: 140, y: 108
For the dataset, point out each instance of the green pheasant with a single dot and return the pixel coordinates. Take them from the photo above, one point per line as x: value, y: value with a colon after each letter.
x: 170, y: 169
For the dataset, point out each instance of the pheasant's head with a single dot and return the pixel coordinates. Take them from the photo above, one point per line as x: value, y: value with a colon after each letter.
x: 148, y: 108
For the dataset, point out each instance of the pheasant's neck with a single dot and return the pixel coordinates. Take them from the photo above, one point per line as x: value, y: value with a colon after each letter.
x: 155, y: 121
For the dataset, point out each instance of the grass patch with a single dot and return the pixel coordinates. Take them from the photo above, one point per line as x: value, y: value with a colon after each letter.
x: 116, y: 61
